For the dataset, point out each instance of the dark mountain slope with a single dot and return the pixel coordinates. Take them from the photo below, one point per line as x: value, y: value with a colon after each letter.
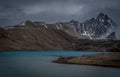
x: 34, y: 37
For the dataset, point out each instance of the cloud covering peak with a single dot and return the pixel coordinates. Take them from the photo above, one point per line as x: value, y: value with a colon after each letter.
x: 51, y: 11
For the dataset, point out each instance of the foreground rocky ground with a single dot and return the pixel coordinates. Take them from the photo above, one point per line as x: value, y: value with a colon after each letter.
x: 107, y: 60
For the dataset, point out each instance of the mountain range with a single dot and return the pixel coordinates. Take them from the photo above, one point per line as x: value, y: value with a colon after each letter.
x: 31, y: 35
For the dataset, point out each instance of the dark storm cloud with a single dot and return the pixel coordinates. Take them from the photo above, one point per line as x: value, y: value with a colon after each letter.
x: 51, y: 11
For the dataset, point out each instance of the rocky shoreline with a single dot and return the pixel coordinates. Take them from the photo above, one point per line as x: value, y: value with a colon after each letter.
x: 105, y: 60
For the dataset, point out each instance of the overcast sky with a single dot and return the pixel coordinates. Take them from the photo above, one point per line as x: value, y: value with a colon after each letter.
x: 51, y: 11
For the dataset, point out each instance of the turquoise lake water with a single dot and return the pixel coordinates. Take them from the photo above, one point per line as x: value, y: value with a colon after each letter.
x: 38, y: 64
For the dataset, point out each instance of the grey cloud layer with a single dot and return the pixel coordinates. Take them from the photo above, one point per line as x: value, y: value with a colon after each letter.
x: 16, y: 11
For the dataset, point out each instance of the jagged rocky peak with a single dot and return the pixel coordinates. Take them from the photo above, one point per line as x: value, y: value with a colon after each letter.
x: 102, y: 16
x: 105, y: 19
x: 98, y: 28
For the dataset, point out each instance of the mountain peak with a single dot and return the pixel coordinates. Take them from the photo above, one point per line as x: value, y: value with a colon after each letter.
x: 73, y: 21
x: 101, y: 14
x: 102, y: 17
x: 99, y: 27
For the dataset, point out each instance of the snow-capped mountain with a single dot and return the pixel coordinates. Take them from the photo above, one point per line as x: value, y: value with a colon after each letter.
x: 100, y: 27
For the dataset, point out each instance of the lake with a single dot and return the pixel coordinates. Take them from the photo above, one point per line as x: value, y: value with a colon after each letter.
x: 38, y: 64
